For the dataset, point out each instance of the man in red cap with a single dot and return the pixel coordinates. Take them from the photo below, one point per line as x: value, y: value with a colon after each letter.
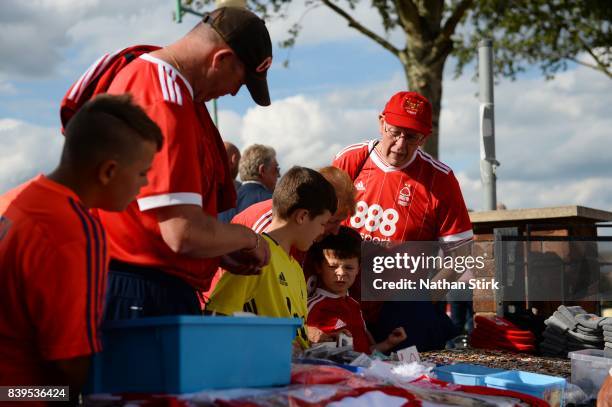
x: 404, y: 194
x: 168, y: 244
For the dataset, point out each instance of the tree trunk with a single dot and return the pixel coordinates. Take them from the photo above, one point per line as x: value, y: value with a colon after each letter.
x: 426, y: 78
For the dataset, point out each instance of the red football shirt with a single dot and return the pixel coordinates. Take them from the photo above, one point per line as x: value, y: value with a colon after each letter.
x: 330, y: 312
x: 53, y: 265
x: 187, y: 171
x: 421, y: 200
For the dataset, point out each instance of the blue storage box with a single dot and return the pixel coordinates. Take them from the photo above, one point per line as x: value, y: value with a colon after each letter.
x: 548, y: 388
x: 465, y: 373
x: 184, y: 354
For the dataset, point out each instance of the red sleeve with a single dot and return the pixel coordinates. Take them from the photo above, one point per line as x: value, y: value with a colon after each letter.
x: 350, y: 158
x: 320, y: 317
x: 66, y: 288
x: 177, y: 169
x: 257, y: 216
x: 344, y: 163
x: 455, y: 227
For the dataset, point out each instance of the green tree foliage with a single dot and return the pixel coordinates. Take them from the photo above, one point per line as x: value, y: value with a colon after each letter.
x: 549, y: 34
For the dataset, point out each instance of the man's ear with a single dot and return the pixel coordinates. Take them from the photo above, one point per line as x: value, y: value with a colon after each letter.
x: 221, y: 57
x: 107, y: 171
x: 260, y: 170
x: 300, y: 216
x: 381, y: 122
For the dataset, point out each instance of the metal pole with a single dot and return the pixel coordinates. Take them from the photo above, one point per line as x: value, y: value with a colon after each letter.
x: 178, y: 12
x: 488, y: 163
x: 215, y: 117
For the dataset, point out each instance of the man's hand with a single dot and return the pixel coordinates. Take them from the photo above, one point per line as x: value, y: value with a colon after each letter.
x: 235, y: 264
x: 248, y: 261
x: 259, y: 255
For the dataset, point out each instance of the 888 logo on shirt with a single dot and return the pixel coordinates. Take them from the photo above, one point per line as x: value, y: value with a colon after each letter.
x: 375, y: 218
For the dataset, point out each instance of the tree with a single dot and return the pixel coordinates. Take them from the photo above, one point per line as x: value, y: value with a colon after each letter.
x: 525, y: 33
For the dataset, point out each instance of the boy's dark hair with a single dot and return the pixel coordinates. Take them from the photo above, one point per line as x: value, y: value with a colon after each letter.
x: 108, y: 126
x: 345, y: 245
x: 303, y: 188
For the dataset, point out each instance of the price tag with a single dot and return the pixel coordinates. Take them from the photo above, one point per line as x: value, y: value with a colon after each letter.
x: 409, y: 355
x: 344, y: 340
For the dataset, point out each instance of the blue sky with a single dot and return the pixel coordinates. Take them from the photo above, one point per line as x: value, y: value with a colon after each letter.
x: 554, y: 139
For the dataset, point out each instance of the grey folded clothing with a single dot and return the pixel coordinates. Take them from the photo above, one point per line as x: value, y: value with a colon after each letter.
x: 608, y: 352
x: 580, y: 337
x: 555, y: 336
x: 608, y: 345
x: 588, y: 331
x: 553, y: 329
x: 590, y: 321
x: 551, y: 348
x: 559, y: 321
x: 570, y: 313
x: 606, y: 322
x: 607, y: 328
x: 607, y: 336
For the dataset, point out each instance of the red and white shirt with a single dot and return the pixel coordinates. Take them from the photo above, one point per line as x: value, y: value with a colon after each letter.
x: 257, y: 216
x: 331, y: 312
x: 187, y: 171
x: 419, y: 201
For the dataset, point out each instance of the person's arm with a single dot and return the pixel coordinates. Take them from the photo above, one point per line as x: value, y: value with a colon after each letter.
x: 316, y: 335
x: 397, y: 336
x: 455, y: 230
x: 450, y: 274
x: 187, y: 230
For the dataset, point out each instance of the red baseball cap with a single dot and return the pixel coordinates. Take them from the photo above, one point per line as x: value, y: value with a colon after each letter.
x: 410, y: 110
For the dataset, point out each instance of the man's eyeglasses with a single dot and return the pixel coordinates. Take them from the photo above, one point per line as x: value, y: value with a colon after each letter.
x: 408, y: 136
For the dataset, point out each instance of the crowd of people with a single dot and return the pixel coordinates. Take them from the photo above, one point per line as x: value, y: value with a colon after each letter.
x: 144, y: 216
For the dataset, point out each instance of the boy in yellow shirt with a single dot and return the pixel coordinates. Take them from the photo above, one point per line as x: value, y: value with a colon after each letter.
x: 302, y: 203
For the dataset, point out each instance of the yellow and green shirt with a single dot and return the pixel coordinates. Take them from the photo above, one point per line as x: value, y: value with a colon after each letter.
x: 279, y: 291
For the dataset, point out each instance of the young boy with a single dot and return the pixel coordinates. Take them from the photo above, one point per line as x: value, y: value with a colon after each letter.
x: 302, y: 203
x: 53, y: 253
x: 336, y: 260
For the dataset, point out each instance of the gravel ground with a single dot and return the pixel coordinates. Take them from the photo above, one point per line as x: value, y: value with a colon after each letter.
x: 502, y: 360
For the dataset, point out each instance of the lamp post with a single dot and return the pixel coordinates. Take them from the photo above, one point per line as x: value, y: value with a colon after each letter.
x: 180, y: 10
x: 488, y: 163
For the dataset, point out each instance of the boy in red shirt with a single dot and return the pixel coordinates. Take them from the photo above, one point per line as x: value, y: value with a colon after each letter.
x: 53, y: 253
x: 336, y: 261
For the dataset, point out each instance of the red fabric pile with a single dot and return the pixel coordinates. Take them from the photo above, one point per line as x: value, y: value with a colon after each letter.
x: 494, y: 332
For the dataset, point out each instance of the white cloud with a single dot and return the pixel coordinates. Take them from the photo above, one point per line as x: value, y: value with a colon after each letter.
x: 305, y: 131
x: 48, y: 29
x: 26, y: 150
x: 6, y: 87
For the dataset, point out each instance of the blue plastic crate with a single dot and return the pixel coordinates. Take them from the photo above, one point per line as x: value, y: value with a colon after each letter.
x: 184, y: 354
x: 465, y: 373
x: 548, y: 388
